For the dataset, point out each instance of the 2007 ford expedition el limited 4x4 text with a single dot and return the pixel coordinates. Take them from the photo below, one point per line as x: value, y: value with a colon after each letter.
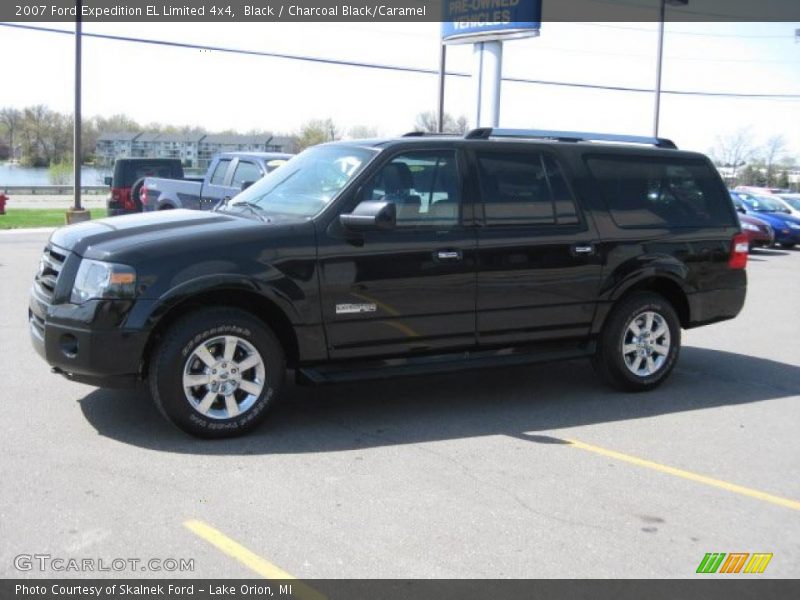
x: 375, y: 258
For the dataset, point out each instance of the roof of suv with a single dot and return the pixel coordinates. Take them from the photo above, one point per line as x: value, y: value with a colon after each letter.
x: 525, y: 136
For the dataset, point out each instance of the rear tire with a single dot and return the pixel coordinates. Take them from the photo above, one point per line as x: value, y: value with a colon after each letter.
x: 639, y: 344
x: 787, y: 245
x: 216, y: 372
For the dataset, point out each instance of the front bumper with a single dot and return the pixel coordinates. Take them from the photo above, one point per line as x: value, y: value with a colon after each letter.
x: 786, y: 235
x: 103, y: 357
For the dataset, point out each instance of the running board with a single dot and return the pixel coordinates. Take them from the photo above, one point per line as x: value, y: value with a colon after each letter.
x: 345, y: 372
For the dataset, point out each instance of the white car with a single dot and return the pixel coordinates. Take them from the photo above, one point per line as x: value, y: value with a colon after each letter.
x: 791, y: 202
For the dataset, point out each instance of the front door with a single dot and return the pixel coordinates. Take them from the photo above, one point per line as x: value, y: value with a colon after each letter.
x: 217, y: 185
x: 538, y: 270
x: 410, y: 289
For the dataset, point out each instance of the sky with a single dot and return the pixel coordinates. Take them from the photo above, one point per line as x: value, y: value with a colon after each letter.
x: 225, y: 91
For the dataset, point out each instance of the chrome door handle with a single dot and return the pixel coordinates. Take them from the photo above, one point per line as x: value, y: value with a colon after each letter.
x: 448, y: 255
x: 583, y: 249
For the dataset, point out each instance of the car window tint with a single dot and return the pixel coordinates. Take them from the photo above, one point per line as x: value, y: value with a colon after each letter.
x: 245, y: 171
x: 515, y: 189
x: 424, y: 187
x: 650, y: 191
x: 565, y: 209
x: 218, y: 177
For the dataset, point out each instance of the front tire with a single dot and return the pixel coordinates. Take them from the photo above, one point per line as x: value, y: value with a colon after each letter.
x: 640, y: 343
x: 787, y: 245
x: 216, y: 372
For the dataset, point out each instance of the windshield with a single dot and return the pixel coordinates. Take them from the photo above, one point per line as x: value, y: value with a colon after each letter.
x: 793, y: 201
x: 763, y: 204
x: 305, y: 184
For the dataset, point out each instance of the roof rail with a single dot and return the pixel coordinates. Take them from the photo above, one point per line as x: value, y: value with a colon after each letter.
x: 484, y: 133
x: 426, y: 133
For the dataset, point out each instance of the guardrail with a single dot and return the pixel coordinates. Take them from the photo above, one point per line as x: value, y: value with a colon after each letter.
x: 51, y: 190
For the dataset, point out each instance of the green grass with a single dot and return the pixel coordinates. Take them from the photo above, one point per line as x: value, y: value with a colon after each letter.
x: 22, y: 218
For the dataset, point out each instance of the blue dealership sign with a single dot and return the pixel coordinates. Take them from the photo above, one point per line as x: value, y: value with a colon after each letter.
x: 466, y: 21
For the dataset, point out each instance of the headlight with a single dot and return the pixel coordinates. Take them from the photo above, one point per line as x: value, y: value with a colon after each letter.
x: 97, y: 279
x: 793, y: 225
x: 749, y: 227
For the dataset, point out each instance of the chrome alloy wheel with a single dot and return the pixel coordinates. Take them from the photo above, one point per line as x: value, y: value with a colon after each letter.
x: 223, y: 377
x: 646, y: 344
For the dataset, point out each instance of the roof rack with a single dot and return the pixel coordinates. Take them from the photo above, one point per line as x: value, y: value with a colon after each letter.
x: 426, y: 133
x: 484, y: 133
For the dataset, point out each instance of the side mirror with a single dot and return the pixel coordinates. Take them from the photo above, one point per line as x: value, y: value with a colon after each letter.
x: 108, y: 181
x: 741, y: 210
x: 371, y: 215
x: 247, y: 184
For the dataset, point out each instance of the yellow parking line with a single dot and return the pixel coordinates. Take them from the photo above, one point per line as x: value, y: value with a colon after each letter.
x: 718, y: 483
x: 248, y: 558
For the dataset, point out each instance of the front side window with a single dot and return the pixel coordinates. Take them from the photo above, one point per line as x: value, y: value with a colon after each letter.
x: 245, y: 171
x: 424, y: 186
x: 306, y: 183
x: 656, y: 192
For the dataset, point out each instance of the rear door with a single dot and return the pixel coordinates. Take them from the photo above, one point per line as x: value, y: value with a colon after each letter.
x: 538, y: 269
x: 411, y: 289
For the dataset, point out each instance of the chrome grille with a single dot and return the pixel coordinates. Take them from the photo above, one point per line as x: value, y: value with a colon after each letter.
x: 50, y: 266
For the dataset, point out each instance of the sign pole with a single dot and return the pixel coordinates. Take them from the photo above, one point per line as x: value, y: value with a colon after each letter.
x: 466, y: 23
x: 442, y: 75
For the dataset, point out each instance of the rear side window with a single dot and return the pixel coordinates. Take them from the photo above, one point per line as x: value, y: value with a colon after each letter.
x: 656, y: 192
x: 218, y: 177
x: 128, y: 172
x: 524, y: 189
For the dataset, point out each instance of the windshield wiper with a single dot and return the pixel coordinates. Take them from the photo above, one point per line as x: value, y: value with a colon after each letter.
x: 253, y: 208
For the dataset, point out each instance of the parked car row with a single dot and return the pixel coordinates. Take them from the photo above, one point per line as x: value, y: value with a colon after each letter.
x: 768, y: 218
x: 147, y: 184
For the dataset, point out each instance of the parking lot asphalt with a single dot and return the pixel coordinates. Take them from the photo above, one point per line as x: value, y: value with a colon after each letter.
x: 527, y: 472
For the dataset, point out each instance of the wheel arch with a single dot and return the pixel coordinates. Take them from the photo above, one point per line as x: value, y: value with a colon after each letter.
x: 249, y: 301
x: 666, y: 283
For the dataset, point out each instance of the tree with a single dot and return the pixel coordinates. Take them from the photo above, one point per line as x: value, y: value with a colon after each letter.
x: 733, y: 150
x: 773, y: 152
x: 362, y: 132
x: 11, y: 119
x: 317, y: 131
x: 428, y: 122
x: 783, y: 180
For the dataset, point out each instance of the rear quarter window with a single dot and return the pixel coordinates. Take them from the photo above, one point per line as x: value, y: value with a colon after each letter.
x: 661, y: 192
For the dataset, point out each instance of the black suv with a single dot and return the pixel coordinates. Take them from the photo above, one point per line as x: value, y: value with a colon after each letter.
x: 369, y: 259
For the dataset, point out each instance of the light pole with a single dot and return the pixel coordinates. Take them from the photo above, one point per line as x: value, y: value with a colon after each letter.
x: 660, y: 59
x: 76, y: 212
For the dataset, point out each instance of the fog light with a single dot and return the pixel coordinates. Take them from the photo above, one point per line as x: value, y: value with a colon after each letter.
x: 69, y: 345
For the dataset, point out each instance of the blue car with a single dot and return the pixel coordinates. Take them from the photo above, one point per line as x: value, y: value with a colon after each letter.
x: 787, y: 227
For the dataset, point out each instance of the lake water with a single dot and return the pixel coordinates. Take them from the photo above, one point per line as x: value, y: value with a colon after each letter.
x: 17, y: 175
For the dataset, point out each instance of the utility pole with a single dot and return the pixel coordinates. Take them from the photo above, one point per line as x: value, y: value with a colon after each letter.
x: 77, y: 213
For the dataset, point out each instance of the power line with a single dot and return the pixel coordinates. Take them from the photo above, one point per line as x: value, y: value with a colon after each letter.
x: 396, y: 68
x: 782, y: 36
